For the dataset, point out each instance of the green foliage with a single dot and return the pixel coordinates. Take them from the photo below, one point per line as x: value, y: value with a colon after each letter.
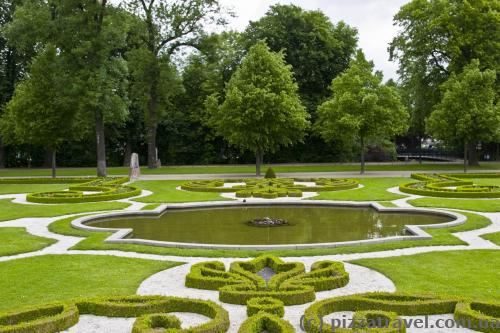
x: 270, y: 188
x: 261, y: 111
x: 452, y: 186
x: 468, y: 111
x: 150, y: 310
x: 317, y: 49
x: 361, y: 108
x: 291, y: 285
x: 265, y: 304
x: 270, y: 173
x: 485, y: 317
x: 437, y: 38
x: 265, y: 322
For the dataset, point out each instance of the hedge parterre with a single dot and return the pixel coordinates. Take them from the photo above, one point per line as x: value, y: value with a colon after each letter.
x: 385, y: 308
x: 452, y: 186
x: 100, y: 189
x: 270, y: 188
x: 152, y: 313
x: 291, y: 284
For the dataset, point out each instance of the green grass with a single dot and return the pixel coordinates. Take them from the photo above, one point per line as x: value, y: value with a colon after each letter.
x: 95, y: 241
x: 151, y: 206
x: 18, y: 240
x: 51, y: 278
x: 375, y: 189
x: 30, y: 188
x: 165, y: 191
x: 478, y: 205
x: 245, y: 168
x: 494, y: 237
x: 487, y: 181
x: 11, y: 211
x: 470, y: 274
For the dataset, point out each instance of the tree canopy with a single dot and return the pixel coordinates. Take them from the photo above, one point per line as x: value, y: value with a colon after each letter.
x: 361, y: 107
x: 468, y: 111
x: 262, y: 110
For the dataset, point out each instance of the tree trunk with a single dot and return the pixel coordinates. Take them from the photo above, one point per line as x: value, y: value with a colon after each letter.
x: 127, y: 154
x: 258, y: 162
x: 497, y: 158
x: 465, y: 156
x: 101, y: 144
x: 47, y: 159
x: 53, y: 163
x: 2, y: 154
x: 473, y: 157
x: 362, y: 156
x: 152, y: 124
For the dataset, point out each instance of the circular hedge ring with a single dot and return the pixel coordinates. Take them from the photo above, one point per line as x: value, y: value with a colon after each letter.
x: 267, y: 305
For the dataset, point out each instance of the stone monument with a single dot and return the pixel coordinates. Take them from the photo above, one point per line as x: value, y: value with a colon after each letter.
x: 135, y: 170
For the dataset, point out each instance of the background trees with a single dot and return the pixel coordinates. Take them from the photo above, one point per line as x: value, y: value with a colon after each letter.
x: 468, y: 111
x: 361, y: 108
x: 261, y: 110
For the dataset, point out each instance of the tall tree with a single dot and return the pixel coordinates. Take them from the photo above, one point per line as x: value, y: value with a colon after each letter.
x: 361, y: 108
x: 436, y: 38
x: 89, y: 35
x: 38, y: 114
x: 12, y: 64
x: 468, y: 111
x: 168, y: 26
x: 261, y: 111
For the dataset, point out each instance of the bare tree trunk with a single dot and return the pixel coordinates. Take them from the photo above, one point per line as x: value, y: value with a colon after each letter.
x: 473, y: 156
x: 258, y: 162
x: 465, y: 156
x: 362, y: 156
x: 2, y: 154
x: 496, y: 159
x: 53, y: 163
x: 101, y: 144
x: 47, y: 159
x: 152, y: 124
x: 127, y: 154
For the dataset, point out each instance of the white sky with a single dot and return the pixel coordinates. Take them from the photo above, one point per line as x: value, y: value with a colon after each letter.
x: 372, y: 18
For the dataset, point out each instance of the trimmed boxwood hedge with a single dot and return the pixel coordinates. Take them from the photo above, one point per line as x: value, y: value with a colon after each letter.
x: 265, y: 322
x: 292, y: 285
x: 151, y: 312
x: 451, y: 186
x: 265, y: 304
x: 109, y: 188
x: 482, y: 317
x: 270, y: 188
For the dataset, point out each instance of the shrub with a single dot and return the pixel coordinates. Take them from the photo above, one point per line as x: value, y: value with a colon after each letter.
x: 451, y: 186
x: 265, y: 304
x: 270, y: 173
x: 265, y: 322
x: 483, y: 317
x: 150, y: 310
x: 291, y: 284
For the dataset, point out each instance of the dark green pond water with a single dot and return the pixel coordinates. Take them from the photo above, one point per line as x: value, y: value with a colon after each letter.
x: 308, y: 224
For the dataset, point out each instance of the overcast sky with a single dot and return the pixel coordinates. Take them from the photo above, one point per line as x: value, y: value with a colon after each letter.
x: 372, y: 18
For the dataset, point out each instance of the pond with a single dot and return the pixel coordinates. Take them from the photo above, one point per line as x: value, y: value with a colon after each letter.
x: 305, y: 224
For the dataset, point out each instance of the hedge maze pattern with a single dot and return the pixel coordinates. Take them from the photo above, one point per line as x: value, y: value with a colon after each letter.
x: 452, y: 186
x: 101, y: 189
x: 386, y: 307
x: 291, y: 284
x: 151, y: 312
x: 270, y: 188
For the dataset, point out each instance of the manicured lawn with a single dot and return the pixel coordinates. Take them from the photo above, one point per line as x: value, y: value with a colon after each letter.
x: 51, y: 278
x: 375, y: 189
x: 30, y: 188
x: 95, y: 241
x: 18, y: 240
x: 165, y: 191
x: 493, y: 237
x: 246, y: 168
x: 470, y: 274
x: 11, y: 211
x: 487, y: 181
x: 479, y: 205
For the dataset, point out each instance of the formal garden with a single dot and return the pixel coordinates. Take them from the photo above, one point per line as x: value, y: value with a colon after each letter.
x: 162, y: 172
